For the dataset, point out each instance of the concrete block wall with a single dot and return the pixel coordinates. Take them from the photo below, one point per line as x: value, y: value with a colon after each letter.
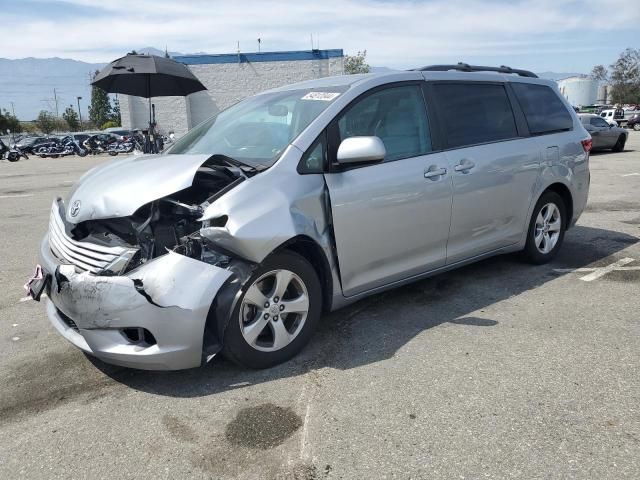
x: 172, y: 113
x: 227, y: 83
x: 231, y: 82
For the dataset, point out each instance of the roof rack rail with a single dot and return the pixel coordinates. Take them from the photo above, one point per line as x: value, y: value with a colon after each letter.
x: 465, y: 67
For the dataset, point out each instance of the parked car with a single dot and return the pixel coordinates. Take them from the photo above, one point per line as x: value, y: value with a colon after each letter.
x: 604, y: 135
x: 120, y: 134
x: 634, y: 122
x: 303, y: 199
x: 614, y: 116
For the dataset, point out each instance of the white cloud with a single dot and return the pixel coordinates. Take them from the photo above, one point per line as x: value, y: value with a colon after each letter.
x: 402, y: 33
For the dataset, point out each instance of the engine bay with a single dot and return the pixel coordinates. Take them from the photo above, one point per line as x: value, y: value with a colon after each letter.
x: 170, y: 223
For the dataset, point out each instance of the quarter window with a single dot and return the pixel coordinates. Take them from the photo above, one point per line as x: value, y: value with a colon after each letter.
x: 543, y: 109
x: 396, y: 115
x: 475, y: 113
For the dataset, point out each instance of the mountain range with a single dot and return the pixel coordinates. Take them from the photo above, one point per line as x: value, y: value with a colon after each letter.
x: 28, y: 85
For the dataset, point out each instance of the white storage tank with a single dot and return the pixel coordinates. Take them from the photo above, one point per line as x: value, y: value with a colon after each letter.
x: 579, y: 91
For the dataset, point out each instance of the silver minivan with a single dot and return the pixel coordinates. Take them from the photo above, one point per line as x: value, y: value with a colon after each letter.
x: 303, y: 199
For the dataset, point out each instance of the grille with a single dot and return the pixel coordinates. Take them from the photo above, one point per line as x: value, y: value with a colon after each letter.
x: 86, y: 256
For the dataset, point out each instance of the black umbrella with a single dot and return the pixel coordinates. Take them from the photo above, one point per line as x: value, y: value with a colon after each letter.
x: 147, y: 76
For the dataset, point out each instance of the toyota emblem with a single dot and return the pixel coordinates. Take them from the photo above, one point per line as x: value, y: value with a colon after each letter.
x: 75, y: 208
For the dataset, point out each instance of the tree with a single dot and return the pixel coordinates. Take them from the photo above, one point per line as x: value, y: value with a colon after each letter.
x: 600, y: 73
x: 100, y: 108
x: 9, y: 122
x: 109, y: 124
x: 625, y: 77
x: 71, y: 117
x: 46, y: 122
x: 356, y: 63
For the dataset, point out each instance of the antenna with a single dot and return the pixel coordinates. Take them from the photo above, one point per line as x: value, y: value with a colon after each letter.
x: 238, y: 41
x: 312, y: 41
x: 259, y: 42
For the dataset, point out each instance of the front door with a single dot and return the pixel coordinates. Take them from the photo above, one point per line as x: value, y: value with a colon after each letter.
x: 391, y: 219
x: 601, y: 132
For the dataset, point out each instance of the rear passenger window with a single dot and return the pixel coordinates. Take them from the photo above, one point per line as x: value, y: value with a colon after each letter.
x: 396, y: 115
x: 475, y: 113
x: 543, y: 109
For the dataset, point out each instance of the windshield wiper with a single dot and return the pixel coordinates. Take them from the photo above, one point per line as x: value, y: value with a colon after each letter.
x: 246, y: 168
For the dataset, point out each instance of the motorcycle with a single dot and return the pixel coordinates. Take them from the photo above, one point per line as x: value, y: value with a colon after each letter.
x: 59, y: 148
x: 101, y: 143
x: 12, y: 154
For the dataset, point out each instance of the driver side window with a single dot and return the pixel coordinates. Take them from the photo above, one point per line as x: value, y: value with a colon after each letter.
x: 598, y: 122
x: 396, y: 115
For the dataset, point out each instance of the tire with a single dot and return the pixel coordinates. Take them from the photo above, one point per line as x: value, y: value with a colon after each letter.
x: 537, y: 251
x: 113, y: 154
x: 619, y: 146
x: 295, y: 272
x: 82, y: 153
x: 636, y: 127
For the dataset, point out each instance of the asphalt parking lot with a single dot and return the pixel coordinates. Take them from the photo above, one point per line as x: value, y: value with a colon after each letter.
x: 496, y: 370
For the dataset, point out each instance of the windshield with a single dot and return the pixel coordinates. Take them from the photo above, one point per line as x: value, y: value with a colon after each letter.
x: 256, y: 131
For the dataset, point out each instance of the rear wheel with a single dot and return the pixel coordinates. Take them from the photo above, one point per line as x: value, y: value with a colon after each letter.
x: 546, y: 229
x: 276, y: 314
x: 636, y: 127
x: 619, y: 146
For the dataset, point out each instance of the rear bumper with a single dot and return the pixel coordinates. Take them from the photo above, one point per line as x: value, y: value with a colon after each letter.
x: 170, y: 297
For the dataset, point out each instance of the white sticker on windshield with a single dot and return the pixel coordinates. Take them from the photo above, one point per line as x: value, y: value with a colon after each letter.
x: 323, y: 96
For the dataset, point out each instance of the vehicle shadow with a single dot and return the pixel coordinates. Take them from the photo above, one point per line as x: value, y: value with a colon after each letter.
x: 374, y: 329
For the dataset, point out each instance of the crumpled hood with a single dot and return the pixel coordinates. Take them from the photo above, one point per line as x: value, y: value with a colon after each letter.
x: 117, y: 188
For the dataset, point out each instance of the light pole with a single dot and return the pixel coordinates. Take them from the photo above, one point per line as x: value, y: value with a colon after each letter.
x: 79, y: 112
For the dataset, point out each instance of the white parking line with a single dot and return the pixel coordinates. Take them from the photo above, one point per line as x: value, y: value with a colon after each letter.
x: 630, y: 174
x: 598, y: 272
x: 17, y: 196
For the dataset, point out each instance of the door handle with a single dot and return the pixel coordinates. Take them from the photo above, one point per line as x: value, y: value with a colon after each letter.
x: 437, y: 172
x: 464, y: 166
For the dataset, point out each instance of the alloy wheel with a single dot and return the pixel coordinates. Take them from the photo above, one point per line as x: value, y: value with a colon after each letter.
x: 547, y: 228
x: 274, y: 310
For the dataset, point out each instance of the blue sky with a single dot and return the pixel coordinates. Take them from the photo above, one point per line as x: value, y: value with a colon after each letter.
x: 541, y: 35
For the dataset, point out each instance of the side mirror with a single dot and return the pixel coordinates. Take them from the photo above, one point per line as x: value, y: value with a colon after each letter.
x: 361, y: 150
x: 611, y: 125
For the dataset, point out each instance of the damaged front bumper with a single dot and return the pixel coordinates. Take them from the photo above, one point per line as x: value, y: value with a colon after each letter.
x: 151, y: 318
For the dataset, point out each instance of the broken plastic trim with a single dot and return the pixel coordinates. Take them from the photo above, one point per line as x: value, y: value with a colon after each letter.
x: 138, y: 285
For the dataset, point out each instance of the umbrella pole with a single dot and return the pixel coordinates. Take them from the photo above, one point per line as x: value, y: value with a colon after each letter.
x: 151, y: 132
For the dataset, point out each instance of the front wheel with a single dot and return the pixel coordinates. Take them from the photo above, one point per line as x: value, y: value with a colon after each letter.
x: 636, y: 127
x: 546, y: 229
x: 277, y: 313
x: 619, y: 146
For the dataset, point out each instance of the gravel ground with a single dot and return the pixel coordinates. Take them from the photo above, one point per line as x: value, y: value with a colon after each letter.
x: 496, y: 370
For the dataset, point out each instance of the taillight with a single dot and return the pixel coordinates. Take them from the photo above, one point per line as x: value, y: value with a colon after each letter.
x: 587, y: 143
